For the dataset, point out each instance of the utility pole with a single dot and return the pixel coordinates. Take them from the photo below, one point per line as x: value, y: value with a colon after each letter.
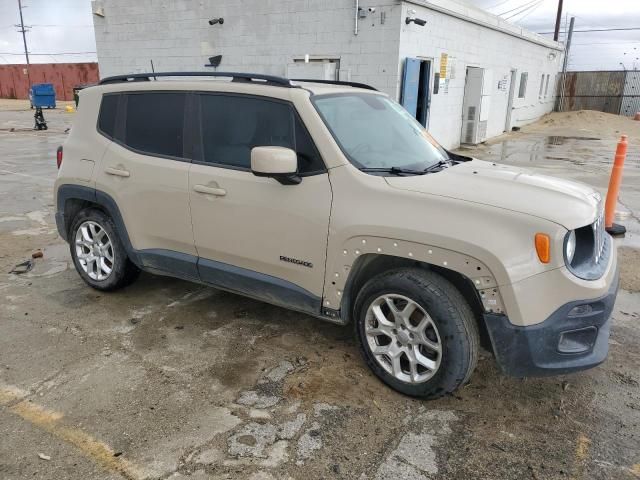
x: 565, y: 63
x: 567, y: 47
x: 556, y: 32
x: 24, y: 40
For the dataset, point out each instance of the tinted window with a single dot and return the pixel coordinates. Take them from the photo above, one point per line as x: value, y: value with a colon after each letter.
x: 233, y: 125
x: 107, y: 117
x: 154, y: 123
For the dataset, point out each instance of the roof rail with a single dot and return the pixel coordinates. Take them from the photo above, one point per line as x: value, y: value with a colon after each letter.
x: 235, y: 77
x: 336, y: 82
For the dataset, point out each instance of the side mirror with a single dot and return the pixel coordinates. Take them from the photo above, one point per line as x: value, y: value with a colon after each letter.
x: 276, y: 162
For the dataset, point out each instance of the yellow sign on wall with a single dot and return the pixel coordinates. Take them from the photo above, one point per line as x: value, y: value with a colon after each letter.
x: 443, y: 65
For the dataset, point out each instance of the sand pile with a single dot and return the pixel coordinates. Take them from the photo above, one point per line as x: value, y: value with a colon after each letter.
x: 588, y: 123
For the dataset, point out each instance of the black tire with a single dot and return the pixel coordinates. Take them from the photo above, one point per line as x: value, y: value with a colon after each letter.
x: 451, y: 315
x: 123, y: 271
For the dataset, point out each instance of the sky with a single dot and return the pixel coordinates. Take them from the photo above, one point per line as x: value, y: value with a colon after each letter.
x: 589, y: 50
x: 61, y: 27
x: 57, y: 26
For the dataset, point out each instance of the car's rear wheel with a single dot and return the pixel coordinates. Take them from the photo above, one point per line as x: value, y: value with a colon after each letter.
x: 416, y: 332
x: 98, y: 253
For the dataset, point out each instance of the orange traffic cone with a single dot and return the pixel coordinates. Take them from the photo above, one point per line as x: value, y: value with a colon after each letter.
x: 614, y: 189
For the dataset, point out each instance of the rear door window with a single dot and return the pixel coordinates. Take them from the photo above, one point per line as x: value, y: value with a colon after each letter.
x: 231, y: 125
x: 154, y: 123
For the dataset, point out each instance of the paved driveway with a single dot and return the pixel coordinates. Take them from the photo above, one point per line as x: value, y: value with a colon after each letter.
x: 168, y: 379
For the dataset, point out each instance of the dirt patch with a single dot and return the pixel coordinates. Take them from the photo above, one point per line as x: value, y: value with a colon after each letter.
x: 629, y: 261
x: 601, y: 125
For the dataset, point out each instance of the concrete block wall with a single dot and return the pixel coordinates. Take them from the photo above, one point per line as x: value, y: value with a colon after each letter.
x: 265, y: 36
x: 471, y: 45
x: 260, y: 36
x: 131, y: 34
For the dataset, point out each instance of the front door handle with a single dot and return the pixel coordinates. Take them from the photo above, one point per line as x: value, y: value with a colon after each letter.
x: 116, y: 171
x: 217, y: 191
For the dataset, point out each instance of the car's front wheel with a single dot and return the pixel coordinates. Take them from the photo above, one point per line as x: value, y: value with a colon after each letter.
x: 98, y: 253
x: 416, y: 332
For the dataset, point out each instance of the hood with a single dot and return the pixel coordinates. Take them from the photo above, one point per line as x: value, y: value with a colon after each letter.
x: 564, y: 202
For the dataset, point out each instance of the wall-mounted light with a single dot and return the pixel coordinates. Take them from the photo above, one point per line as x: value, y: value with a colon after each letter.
x: 214, y: 61
x: 215, y: 21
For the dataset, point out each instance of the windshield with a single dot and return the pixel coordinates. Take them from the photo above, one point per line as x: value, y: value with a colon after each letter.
x: 375, y: 132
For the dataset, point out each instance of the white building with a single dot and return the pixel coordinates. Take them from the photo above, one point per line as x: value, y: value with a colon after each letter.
x: 509, y: 72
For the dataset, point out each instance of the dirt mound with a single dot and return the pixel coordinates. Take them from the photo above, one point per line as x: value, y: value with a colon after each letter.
x: 597, y: 124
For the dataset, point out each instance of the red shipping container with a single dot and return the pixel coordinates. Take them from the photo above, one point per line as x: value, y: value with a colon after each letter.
x: 64, y: 76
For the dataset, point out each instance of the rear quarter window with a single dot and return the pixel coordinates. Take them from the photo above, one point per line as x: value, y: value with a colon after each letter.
x: 154, y: 123
x: 107, y: 115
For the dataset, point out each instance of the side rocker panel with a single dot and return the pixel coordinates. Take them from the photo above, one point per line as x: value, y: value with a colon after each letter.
x: 339, y: 268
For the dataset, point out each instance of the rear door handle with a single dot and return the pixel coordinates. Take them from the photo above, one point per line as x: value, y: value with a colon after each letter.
x: 217, y: 191
x: 116, y: 171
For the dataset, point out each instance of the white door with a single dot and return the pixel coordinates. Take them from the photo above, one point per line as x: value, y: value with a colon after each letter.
x: 512, y: 90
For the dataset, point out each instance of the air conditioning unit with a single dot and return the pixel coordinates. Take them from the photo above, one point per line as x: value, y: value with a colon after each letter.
x: 476, y: 105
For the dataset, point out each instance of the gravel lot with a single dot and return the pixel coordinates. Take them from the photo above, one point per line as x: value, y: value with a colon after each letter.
x: 168, y: 379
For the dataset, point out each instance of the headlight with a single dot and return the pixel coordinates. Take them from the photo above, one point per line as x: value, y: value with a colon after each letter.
x: 570, y: 247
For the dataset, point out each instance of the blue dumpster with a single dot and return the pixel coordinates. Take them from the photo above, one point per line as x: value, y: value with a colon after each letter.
x: 42, y: 95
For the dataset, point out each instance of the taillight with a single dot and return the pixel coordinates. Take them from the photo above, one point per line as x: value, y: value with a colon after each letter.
x: 59, y: 156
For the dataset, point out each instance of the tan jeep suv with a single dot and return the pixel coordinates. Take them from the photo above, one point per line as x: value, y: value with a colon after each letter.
x: 328, y: 198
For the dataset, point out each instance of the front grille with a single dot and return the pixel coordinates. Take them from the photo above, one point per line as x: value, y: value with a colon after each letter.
x: 598, y: 236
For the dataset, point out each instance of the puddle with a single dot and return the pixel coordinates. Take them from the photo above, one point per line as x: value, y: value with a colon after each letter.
x: 561, y: 140
x: 591, y: 154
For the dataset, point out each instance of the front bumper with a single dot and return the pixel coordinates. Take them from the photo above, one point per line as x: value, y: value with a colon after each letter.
x: 575, y: 337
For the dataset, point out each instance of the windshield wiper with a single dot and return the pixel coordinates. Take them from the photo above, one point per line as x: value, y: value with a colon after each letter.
x: 439, y: 165
x: 393, y: 170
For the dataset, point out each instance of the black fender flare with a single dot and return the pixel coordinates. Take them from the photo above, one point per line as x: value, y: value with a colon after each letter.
x: 102, y: 200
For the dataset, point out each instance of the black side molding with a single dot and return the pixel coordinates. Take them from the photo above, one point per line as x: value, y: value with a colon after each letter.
x: 259, y: 286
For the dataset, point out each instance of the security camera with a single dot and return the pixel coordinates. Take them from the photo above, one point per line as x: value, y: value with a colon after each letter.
x: 417, y: 21
x: 372, y: 9
x: 214, y: 21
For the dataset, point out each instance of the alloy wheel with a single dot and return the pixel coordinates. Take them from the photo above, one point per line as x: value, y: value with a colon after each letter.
x: 403, y: 338
x: 94, y: 250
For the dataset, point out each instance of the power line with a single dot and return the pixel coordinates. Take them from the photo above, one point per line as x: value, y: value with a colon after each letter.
x: 531, y: 9
x: 597, y: 30
x: 518, y: 7
x: 61, y: 25
x: 606, y: 43
x: 45, y: 54
x: 498, y: 4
